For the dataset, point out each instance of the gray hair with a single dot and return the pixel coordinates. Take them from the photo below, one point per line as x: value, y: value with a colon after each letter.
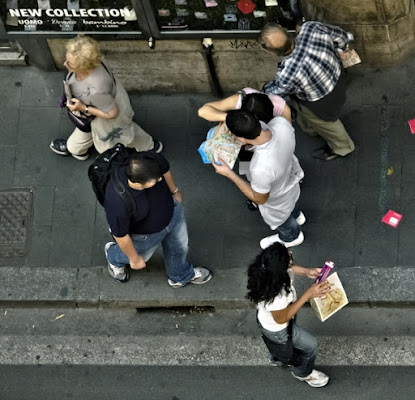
x: 269, y: 29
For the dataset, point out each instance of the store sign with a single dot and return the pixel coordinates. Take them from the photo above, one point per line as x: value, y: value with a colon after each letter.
x: 72, y: 18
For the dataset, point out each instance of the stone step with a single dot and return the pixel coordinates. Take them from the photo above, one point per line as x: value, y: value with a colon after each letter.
x: 355, y: 336
x: 11, y: 54
x: 190, y: 350
x: 86, y: 286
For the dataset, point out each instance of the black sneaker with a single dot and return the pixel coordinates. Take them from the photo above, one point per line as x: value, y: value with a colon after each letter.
x: 158, y: 146
x: 59, y: 147
x: 324, y: 153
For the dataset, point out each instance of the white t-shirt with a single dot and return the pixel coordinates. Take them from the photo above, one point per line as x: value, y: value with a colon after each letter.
x: 274, y: 169
x: 281, y: 301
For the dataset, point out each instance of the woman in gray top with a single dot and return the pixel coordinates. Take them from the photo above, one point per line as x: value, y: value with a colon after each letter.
x: 95, y: 91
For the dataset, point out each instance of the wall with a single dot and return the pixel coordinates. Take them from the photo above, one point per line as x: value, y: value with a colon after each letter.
x: 383, y: 29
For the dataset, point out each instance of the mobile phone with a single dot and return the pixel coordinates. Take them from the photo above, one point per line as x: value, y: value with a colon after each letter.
x: 325, y: 271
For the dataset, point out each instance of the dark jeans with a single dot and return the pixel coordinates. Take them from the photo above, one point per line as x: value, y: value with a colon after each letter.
x: 174, y: 240
x: 305, y: 343
x: 290, y: 230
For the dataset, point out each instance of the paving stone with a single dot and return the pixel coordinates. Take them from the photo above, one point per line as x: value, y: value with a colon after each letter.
x: 331, y: 241
x: 40, y: 246
x: 400, y: 284
x: 44, y: 197
x: 370, y: 231
x: 41, y: 88
x: 405, y: 228
x: 7, y: 166
x: 35, y: 162
x: 88, y: 286
x: 9, y: 105
x: 143, y: 287
x: 101, y: 237
x: 71, y: 245
x: 37, y: 284
x: 16, y: 209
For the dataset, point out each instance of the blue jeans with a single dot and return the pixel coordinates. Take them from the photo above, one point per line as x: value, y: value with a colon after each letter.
x: 290, y: 230
x: 174, y: 240
x: 303, y: 341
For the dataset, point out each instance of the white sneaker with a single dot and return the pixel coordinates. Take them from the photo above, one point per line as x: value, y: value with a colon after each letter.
x: 81, y: 157
x: 300, y: 219
x: 270, y: 240
x: 120, y: 274
x: 315, y: 379
x: 275, y: 363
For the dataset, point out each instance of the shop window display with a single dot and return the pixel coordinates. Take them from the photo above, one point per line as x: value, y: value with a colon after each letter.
x: 228, y: 15
x: 68, y: 15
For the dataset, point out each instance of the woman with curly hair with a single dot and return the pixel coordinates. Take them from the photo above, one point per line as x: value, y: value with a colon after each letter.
x: 96, y: 92
x: 270, y: 287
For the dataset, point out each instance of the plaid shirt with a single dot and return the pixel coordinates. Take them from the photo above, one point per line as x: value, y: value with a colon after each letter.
x: 312, y: 70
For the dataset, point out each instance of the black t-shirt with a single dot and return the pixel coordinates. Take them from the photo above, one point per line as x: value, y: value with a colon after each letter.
x: 155, y: 205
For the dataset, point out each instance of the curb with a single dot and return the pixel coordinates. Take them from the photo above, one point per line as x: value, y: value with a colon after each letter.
x: 194, y: 351
x: 92, y: 287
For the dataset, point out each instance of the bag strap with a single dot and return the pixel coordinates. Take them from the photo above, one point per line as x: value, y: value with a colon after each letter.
x: 243, y: 95
x: 109, y: 73
x: 123, y: 192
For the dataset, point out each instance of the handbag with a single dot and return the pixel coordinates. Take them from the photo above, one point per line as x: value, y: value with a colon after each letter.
x: 81, y: 120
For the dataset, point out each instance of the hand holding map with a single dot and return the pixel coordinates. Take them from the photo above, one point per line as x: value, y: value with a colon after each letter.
x: 222, y: 144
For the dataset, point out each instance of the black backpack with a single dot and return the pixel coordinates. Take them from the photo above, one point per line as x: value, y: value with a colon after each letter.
x: 105, y: 168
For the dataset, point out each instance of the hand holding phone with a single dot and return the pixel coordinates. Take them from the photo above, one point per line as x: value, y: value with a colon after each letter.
x: 325, y: 271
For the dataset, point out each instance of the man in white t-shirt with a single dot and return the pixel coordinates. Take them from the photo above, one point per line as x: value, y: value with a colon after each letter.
x: 274, y: 174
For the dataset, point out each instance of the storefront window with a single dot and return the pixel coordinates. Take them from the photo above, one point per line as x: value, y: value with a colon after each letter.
x: 68, y: 15
x: 208, y: 15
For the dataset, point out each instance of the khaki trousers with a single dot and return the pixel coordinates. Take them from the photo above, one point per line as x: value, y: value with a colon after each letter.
x: 79, y: 142
x: 333, y: 133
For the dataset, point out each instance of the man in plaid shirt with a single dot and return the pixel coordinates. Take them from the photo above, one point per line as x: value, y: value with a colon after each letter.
x: 311, y: 73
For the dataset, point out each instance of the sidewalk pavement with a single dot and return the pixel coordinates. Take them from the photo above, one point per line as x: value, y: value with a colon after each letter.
x: 53, y: 231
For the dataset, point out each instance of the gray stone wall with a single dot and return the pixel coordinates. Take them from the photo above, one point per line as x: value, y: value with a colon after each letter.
x: 179, y: 65
x: 383, y: 30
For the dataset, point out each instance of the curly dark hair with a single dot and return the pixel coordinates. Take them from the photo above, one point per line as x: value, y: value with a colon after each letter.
x: 268, y: 275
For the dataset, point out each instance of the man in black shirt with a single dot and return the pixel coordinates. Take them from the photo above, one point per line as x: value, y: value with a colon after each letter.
x: 158, y: 219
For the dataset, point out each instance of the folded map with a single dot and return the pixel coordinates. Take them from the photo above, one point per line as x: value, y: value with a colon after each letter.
x: 220, y: 143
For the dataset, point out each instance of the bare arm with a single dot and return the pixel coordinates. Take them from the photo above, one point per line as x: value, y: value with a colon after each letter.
x: 168, y: 177
x: 311, y: 273
x: 286, y: 113
x: 316, y: 290
x: 127, y: 247
x: 77, y: 105
x: 216, y: 111
x: 241, y: 184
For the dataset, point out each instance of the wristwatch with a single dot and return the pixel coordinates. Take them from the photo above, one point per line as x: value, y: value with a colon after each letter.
x: 86, y: 108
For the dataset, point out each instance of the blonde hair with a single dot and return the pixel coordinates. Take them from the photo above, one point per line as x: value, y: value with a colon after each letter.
x: 85, y: 51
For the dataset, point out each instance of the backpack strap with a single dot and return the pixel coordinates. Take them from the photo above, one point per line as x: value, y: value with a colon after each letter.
x: 123, y: 192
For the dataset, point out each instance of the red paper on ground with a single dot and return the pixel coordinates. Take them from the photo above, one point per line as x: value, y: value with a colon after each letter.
x: 392, y: 218
x: 412, y: 125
